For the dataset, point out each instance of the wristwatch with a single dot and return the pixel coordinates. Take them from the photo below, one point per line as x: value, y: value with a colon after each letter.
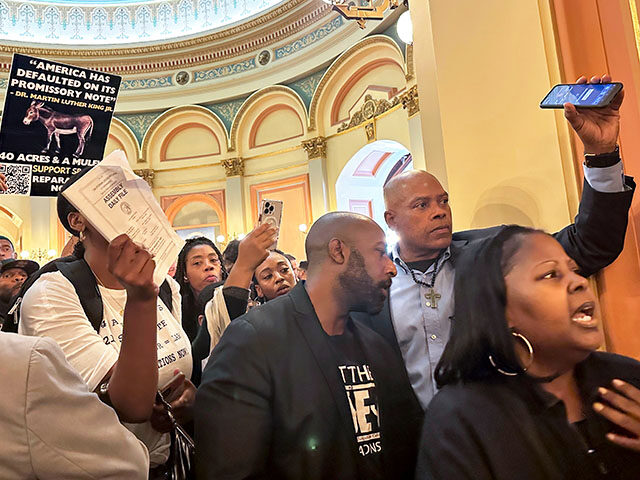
x: 602, y: 160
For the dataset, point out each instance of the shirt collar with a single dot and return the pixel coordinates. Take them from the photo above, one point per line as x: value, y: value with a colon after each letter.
x: 395, y: 257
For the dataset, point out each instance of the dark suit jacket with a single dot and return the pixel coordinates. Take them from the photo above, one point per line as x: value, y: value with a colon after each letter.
x: 272, y: 405
x: 594, y: 240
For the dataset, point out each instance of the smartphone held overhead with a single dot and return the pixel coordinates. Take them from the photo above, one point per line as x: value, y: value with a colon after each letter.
x: 271, y: 213
x: 582, y: 95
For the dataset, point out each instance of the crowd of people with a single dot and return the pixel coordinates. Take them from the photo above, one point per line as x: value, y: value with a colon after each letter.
x: 451, y: 356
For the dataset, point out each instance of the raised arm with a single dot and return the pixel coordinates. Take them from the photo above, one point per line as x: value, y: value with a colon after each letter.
x: 597, y: 236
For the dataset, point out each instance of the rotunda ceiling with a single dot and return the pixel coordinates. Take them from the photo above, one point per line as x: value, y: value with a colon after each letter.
x: 120, y: 22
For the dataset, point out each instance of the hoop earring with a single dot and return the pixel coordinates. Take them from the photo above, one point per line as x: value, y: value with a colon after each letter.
x: 530, y: 362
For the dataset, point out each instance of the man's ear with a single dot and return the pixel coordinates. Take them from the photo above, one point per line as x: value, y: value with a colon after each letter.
x: 76, y: 221
x: 337, y: 251
x: 390, y: 219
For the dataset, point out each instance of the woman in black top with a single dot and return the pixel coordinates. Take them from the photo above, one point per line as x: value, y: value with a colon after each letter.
x: 233, y: 292
x: 199, y: 265
x: 524, y: 395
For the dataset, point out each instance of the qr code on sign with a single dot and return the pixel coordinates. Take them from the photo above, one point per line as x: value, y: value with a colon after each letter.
x: 18, y: 178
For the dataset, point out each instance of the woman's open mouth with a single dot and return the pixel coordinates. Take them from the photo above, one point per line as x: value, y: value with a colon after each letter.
x: 583, y: 316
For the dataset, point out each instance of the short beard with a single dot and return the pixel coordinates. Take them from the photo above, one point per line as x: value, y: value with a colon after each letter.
x: 359, y: 290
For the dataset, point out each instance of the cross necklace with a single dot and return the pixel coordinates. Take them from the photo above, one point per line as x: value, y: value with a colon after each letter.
x: 431, y: 296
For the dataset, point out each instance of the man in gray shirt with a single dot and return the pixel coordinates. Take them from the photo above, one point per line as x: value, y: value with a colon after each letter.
x: 421, y: 305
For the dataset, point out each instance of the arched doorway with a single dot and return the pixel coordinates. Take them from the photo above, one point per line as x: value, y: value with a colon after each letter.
x: 359, y: 186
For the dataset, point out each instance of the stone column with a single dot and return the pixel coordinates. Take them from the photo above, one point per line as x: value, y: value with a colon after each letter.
x: 234, y: 191
x: 411, y: 103
x: 428, y: 120
x: 316, y: 149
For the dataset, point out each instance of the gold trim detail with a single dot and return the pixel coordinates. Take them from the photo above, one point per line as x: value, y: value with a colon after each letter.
x: 370, y: 109
x: 233, y: 166
x: 339, y: 62
x: 277, y: 170
x: 410, y: 101
x: 147, y: 174
x: 315, y: 148
x: 370, y: 130
x: 411, y: 68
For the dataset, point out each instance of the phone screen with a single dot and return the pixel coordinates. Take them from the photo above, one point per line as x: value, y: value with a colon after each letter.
x: 583, y: 95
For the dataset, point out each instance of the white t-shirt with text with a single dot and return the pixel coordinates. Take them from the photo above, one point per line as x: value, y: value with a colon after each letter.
x: 51, y: 308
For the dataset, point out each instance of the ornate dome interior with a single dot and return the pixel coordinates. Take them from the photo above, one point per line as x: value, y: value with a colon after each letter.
x: 118, y: 22
x: 224, y: 103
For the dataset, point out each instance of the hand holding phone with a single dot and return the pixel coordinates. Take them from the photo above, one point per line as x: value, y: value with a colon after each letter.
x: 597, y: 128
x: 271, y: 213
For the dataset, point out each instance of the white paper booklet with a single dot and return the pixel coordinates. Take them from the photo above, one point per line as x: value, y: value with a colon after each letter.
x: 116, y: 201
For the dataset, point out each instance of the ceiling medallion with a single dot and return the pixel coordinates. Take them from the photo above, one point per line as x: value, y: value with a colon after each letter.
x: 367, y: 10
x: 264, y: 57
x: 183, y: 77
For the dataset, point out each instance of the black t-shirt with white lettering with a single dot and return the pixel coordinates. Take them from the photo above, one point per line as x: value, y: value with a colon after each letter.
x: 360, y: 389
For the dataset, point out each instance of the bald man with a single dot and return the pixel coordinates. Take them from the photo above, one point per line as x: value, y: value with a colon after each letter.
x: 296, y: 389
x: 417, y: 318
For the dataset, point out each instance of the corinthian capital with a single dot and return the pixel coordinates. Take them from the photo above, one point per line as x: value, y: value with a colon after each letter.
x: 315, y: 148
x: 233, y: 166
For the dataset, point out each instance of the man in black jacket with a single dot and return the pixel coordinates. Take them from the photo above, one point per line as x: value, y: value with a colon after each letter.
x: 417, y: 317
x: 296, y: 389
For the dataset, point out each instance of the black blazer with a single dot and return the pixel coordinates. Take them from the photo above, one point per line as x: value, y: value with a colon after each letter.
x: 594, y: 240
x: 272, y: 404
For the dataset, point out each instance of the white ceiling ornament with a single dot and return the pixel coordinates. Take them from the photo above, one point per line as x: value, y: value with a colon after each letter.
x: 115, y: 22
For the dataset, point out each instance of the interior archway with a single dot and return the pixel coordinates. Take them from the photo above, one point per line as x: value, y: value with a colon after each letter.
x: 360, y: 183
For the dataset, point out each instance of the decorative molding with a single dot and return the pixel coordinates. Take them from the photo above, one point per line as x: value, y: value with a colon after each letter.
x: 144, y: 83
x: 233, y: 166
x: 309, y: 39
x: 410, y: 101
x: 370, y: 109
x: 411, y: 67
x: 160, y: 117
x: 306, y: 87
x: 353, y: 80
x: 315, y: 148
x: 255, y: 127
x: 147, y: 174
x: 225, y: 70
x: 284, y: 21
x: 370, y: 131
x: 119, y: 22
x: 233, y: 135
x: 139, y: 123
x: 226, y: 111
x: 338, y: 63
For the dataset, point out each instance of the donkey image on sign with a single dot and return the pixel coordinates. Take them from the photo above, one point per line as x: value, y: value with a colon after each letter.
x: 58, y: 124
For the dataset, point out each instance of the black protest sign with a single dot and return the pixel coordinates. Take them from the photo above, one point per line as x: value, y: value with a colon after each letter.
x: 55, y: 122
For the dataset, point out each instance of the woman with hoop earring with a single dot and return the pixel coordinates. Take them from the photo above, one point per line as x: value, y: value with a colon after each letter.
x: 524, y: 393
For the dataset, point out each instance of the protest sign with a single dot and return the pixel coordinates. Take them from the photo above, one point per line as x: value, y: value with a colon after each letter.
x: 55, y: 122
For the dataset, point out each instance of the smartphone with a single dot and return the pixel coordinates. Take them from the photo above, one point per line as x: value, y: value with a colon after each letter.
x: 583, y: 95
x: 271, y: 213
